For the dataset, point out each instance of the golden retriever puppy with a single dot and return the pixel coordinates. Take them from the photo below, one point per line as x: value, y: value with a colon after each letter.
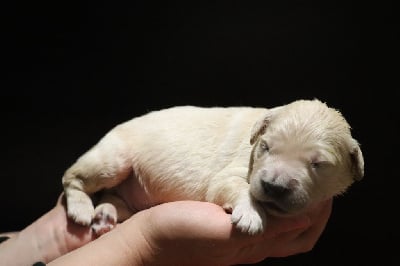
x: 248, y: 160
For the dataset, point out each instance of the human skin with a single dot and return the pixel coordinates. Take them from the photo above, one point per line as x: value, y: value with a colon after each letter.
x: 184, y: 233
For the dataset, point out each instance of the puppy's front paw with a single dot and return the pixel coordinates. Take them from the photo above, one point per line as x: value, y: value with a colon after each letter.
x: 249, y: 218
x: 105, y: 218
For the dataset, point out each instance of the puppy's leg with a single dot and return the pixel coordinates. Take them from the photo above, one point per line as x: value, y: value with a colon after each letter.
x: 231, y: 190
x: 103, y: 166
x: 248, y: 215
x: 110, y: 210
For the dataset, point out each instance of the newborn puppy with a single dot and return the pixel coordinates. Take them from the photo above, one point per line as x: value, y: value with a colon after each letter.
x: 248, y: 160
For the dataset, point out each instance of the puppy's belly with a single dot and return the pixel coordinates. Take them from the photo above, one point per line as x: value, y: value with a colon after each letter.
x: 134, y: 195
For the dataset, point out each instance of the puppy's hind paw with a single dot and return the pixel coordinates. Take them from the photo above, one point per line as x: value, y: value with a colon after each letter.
x: 105, y: 218
x: 248, y: 219
x: 81, y: 212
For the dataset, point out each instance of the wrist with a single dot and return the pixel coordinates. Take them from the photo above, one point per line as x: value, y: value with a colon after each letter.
x: 49, y: 237
x: 45, y: 239
x: 23, y: 248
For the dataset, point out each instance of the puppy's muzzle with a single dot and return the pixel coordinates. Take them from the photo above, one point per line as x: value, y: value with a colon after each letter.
x: 275, y: 191
x: 281, y: 198
x: 278, y: 191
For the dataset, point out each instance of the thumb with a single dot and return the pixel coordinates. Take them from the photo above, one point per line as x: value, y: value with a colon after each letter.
x: 279, y: 225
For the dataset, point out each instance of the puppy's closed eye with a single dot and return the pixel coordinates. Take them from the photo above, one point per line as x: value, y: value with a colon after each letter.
x: 263, y: 148
x: 320, y: 165
x: 316, y: 165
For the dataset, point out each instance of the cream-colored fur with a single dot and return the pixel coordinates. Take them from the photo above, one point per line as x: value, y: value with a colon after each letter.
x: 248, y: 160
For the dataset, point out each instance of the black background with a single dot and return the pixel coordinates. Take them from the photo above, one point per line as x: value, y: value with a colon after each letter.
x: 74, y: 70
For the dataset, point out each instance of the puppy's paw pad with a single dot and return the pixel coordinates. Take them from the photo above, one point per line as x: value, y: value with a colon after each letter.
x: 248, y: 220
x: 81, y: 212
x: 105, y: 219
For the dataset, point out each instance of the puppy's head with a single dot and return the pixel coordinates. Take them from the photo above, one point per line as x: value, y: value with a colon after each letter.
x: 302, y: 153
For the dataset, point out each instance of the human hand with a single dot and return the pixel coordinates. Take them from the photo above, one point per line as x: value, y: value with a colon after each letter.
x: 198, y: 233
x: 202, y: 234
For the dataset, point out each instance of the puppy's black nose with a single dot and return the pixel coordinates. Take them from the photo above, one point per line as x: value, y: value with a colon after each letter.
x: 274, y: 190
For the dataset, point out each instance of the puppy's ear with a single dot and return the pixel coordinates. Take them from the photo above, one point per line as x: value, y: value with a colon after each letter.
x: 259, y: 127
x: 357, y: 160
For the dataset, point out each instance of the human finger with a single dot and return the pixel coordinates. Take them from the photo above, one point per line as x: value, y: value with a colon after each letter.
x: 305, y: 240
